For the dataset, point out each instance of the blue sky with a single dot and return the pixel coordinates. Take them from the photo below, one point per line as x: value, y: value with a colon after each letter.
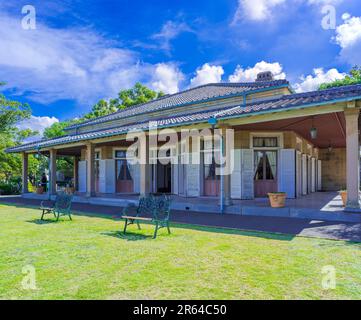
x: 82, y: 51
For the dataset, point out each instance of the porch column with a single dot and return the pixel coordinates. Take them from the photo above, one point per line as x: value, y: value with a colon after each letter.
x: 352, y: 158
x: 90, y: 170
x: 76, y: 173
x: 226, y: 180
x: 25, y: 160
x: 144, y: 176
x: 52, y: 172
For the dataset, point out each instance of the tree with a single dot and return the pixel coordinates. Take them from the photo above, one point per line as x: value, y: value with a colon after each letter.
x: 57, y: 129
x: 126, y: 98
x: 136, y: 95
x: 11, y: 112
x: 354, y: 77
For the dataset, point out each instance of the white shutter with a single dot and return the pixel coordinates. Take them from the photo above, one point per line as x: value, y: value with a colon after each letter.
x: 136, y: 177
x: 236, y: 176
x: 194, y: 174
x: 107, y: 176
x: 319, y: 175
x: 82, y: 176
x: 175, y: 168
x: 287, y: 172
x: 298, y: 174
x: 313, y: 175
x: 247, y: 173
x: 304, y: 174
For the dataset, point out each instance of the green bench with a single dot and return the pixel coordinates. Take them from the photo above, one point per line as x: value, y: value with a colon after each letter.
x: 61, y: 206
x: 150, y: 209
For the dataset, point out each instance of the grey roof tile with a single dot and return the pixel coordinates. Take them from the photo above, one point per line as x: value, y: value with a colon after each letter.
x: 205, y: 92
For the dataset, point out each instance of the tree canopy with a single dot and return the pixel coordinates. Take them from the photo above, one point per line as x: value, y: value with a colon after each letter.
x: 126, y: 98
x: 354, y: 77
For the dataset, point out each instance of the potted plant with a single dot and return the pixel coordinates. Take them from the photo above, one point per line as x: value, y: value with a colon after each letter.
x: 277, y: 199
x: 343, y: 194
x: 39, y: 189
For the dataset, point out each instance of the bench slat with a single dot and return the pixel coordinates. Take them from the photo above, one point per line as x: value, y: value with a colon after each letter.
x: 136, y: 218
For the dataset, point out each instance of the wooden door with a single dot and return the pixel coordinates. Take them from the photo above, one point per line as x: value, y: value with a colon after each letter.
x: 265, y: 177
x: 124, y: 180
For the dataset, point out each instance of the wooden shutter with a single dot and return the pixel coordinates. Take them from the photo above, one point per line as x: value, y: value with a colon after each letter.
x: 247, y: 173
x: 236, y: 176
x: 82, y: 176
x: 313, y: 175
x: 304, y: 174
x: 107, y: 176
x: 319, y: 175
x: 287, y: 172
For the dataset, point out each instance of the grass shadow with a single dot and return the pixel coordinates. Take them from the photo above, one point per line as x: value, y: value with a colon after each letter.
x: 40, y: 222
x: 129, y: 236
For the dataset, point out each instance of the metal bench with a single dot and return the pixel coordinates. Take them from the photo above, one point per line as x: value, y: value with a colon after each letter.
x: 150, y: 209
x: 61, y: 207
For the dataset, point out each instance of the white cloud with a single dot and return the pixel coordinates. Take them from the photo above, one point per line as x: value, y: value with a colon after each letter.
x: 167, y: 78
x: 207, y: 74
x: 256, y: 10
x: 250, y: 74
x: 47, y: 64
x: 36, y: 124
x: 312, y: 82
x: 348, y: 37
x: 170, y: 30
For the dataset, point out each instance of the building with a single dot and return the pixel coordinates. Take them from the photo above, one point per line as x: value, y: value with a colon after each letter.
x: 294, y: 143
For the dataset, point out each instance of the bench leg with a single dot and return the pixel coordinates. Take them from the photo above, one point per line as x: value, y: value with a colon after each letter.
x: 58, y: 216
x: 138, y: 224
x: 156, y: 230
x: 71, y: 219
x: 125, y: 226
x: 168, y: 227
x: 42, y: 216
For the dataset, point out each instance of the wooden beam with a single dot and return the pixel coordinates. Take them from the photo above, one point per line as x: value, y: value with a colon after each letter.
x: 340, y: 125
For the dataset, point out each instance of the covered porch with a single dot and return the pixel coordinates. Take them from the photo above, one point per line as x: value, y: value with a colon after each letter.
x: 316, y: 150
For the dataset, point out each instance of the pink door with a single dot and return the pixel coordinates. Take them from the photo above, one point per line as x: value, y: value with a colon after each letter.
x: 124, y: 180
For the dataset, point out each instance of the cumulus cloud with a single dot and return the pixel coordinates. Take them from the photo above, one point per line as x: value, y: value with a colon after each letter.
x: 207, y: 74
x: 37, y: 124
x: 167, y: 78
x: 256, y: 10
x: 250, y: 74
x: 348, y: 37
x: 312, y: 82
x: 48, y: 64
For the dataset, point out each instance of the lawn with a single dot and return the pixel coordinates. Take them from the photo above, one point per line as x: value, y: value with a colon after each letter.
x: 89, y: 258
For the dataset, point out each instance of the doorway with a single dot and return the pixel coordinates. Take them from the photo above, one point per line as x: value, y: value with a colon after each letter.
x: 163, y: 177
x: 124, y: 173
x: 265, y: 177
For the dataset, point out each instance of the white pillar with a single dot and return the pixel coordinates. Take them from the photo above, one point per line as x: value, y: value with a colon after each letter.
x: 76, y: 172
x: 25, y: 160
x: 52, y: 172
x: 352, y: 157
x: 90, y: 159
x: 144, y: 176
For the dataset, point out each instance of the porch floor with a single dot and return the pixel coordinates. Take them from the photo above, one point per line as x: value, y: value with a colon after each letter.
x: 326, y: 206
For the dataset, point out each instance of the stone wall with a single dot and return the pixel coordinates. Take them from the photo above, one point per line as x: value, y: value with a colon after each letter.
x: 333, y: 169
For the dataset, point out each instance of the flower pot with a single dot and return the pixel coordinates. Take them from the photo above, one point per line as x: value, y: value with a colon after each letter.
x: 39, y: 190
x: 277, y: 200
x: 343, y: 195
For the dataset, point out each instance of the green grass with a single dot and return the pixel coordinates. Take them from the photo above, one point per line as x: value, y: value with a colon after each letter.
x: 90, y: 259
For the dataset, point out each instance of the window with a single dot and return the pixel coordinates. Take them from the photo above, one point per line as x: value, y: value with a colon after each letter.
x: 265, y: 142
x: 265, y: 163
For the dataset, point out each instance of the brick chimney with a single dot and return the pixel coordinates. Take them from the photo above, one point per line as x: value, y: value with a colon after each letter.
x: 265, y: 76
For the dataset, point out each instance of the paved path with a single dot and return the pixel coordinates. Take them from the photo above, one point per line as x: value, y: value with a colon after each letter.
x: 288, y: 226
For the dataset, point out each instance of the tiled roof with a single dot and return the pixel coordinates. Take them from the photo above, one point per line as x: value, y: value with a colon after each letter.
x: 286, y: 102
x: 201, y: 93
